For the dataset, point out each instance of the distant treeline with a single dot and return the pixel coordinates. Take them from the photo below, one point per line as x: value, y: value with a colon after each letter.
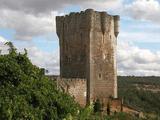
x: 151, y: 80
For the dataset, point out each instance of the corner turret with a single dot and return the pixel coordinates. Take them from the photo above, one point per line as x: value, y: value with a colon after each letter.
x: 116, y: 25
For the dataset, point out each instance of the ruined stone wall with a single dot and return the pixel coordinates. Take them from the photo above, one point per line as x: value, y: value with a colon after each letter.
x: 116, y: 105
x: 76, y: 87
x: 133, y: 111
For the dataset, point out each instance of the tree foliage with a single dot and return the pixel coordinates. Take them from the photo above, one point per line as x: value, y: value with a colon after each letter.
x: 25, y: 92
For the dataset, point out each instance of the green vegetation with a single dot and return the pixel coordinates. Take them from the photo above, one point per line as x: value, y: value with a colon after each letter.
x: 97, y: 106
x: 141, y: 93
x: 121, y: 116
x: 26, y: 94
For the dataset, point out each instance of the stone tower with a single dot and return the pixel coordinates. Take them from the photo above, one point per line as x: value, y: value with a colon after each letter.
x: 88, y: 50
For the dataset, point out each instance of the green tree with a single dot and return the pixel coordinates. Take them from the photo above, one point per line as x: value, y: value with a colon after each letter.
x: 26, y: 93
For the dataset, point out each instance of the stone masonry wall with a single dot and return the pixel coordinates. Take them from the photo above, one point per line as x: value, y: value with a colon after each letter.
x: 73, y: 39
x: 75, y: 87
x: 88, y: 51
x: 103, y: 77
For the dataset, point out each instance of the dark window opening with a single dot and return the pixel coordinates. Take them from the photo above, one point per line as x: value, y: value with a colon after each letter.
x: 100, y: 75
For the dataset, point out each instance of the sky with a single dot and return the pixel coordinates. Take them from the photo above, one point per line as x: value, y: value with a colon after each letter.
x: 30, y: 24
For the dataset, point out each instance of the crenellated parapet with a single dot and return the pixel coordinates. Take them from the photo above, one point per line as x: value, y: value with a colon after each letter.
x: 86, y: 20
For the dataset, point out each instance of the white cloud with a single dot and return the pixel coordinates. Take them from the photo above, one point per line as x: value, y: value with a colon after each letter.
x: 3, y: 47
x: 137, y: 31
x: 47, y: 60
x: 133, y: 60
x: 3, y: 40
x: 43, y: 7
x: 140, y: 35
x: 143, y: 10
x: 102, y: 5
x: 25, y: 25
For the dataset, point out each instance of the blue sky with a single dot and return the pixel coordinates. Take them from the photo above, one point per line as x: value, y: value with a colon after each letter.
x: 31, y: 24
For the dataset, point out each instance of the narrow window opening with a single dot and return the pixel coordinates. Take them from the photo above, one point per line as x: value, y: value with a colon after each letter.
x: 100, y: 75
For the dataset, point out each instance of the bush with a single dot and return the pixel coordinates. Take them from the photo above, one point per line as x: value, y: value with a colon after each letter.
x: 97, y: 106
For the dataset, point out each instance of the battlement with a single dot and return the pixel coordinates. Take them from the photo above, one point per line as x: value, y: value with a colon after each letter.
x: 116, y: 25
x: 88, y: 18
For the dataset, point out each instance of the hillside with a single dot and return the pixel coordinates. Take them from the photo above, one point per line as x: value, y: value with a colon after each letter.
x: 142, y: 93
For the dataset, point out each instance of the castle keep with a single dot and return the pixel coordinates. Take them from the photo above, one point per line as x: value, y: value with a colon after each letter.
x: 88, y: 51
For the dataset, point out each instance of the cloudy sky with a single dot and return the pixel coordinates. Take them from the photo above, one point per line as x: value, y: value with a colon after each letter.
x: 31, y: 24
